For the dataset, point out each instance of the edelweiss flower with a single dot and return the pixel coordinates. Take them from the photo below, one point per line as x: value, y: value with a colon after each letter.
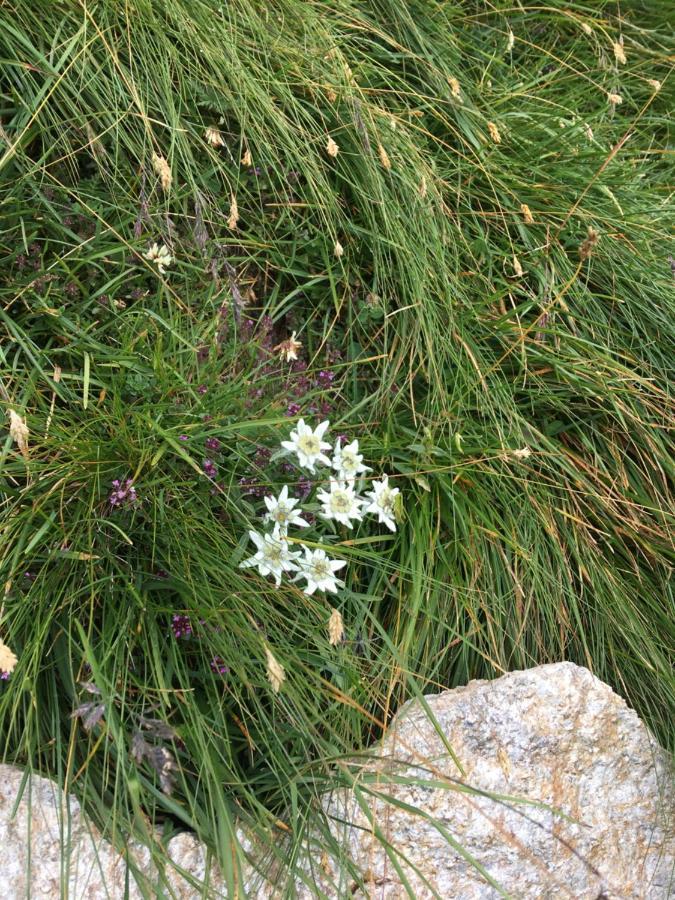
x: 319, y: 571
x: 160, y: 256
x: 341, y: 503
x: 348, y: 462
x: 382, y: 501
x: 308, y: 444
x: 274, y: 556
x: 281, y: 512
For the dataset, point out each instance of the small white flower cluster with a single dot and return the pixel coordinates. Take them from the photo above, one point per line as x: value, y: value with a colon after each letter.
x: 341, y: 503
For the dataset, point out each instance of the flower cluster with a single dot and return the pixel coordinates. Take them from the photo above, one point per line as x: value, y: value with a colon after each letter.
x: 123, y: 494
x: 275, y: 554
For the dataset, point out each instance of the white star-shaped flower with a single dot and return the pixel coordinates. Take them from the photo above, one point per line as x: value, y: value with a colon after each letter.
x: 319, y: 571
x: 382, y: 502
x: 307, y: 444
x: 348, y: 462
x: 274, y: 557
x: 280, y: 511
x: 160, y: 256
x: 341, y: 504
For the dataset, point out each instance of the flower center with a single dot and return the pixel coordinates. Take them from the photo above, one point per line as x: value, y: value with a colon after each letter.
x: 273, y: 553
x: 282, y: 515
x: 341, y: 502
x: 349, y: 462
x: 309, y: 444
x: 385, y: 499
x: 320, y: 569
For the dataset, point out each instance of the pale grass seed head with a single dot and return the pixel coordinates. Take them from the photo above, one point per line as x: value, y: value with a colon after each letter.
x: 8, y: 660
x: 619, y: 54
x: 494, y: 133
x: 384, y: 157
x: 288, y: 349
x: 233, y: 217
x: 275, y: 671
x: 336, y: 629
x: 422, y: 189
x: 162, y: 168
x: 19, y: 432
x: 247, y: 159
x: 517, y: 268
x: 510, y: 41
x: 214, y: 137
x: 332, y: 148
x: 654, y: 84
x: 528, y: 218
x: 455, y: 88
x: 615, y: 99
x: 338, y: 249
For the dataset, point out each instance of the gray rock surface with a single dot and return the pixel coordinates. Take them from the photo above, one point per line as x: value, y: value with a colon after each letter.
x: 34, y: 864
x: 554, y: 737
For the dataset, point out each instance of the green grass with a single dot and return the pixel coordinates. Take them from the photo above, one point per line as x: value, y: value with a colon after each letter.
x: 444, y: 359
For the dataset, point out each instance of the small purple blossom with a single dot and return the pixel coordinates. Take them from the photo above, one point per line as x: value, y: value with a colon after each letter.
x: 218, y: 666
x: 210, y: 469
x: 4, y: 676
x: 123, y: 494
x: 262, y: 456
x: 181, y: 626
x: 183, y: 437
x: 325, y: 378
x: 304, y: 486
x: 251, y: 487
x: 202, y: 389
x: 293, y: 409
x: 212, y: 443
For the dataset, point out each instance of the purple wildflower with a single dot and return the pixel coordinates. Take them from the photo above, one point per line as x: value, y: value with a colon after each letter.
x: 202, y: 389
x: 212, y: 443
x: 210, y: 469
x: 123, y: 494
x: 181, y: 626
x: 262, y: 456
x: 293, y: 409
x: 218, y: 666
x: 304, y: 486
x: 183, y: 437
x: 325, y: 378
x: 4, y: 676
